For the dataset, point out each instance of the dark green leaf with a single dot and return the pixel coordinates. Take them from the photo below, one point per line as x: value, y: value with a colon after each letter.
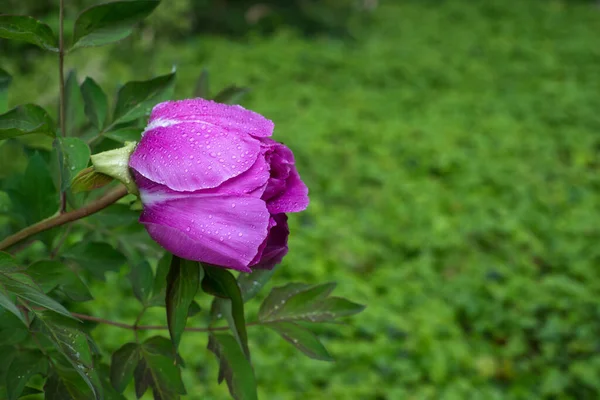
x: 49, y: 274
x: 303, y: 339
x: 5, y: 80
x: 74, y: 111
x: 160, y: 280
x: 96, y: 257
x: 234, y: 366
x: 158, y: 371
x: 109, y: 392
x: 64, y: 383
x: 194, y: 309
x: 25, y: 365
x: 250, y: 284
x: 76, y: 155
x: 220, y: 282
x: 110, y: 22
x: 72, y: 343
x: 12, y: 329
x: 88, y: 179
x: 7, y: 262
x: 301, y: 294
x: 95, y: 102
x: 25, y: 288
x: 141, y: 278
x: 231, y: 94
x: 28, y: 391
x: 136, y: 99
x: 125, y: 134
x: 202, y: 88
x: 123, y: 364
x: 297, y: 301
x: 8, y: 305
x: 35, y: 197
x: 26, y: 119
x: 28, y: 29
x: 183, y: 281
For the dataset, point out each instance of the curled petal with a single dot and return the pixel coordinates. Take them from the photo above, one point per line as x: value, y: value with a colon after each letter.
x: 293, y: 199
x: 236, y: 119
x: 275, y: 246
x: 225, y: 231
x: 189, y: 156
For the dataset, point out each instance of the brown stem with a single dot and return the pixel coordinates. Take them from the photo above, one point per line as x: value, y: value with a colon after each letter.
x: 148, y: 327
x: 61, y: 77
x: 61, y: 219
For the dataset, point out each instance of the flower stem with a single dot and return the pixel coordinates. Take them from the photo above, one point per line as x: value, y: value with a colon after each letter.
x: 61, y: 76
x: 61, y: 219
x: 136, y: 327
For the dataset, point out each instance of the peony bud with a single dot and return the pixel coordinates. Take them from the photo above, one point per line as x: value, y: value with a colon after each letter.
x: 215, y: 188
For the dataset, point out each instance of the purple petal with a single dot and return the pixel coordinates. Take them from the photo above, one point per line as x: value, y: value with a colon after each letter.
x: 293, y: 199
x: 225, y: 231
x: 189, y: 156
x: 235, y: 119
x: 275, y: 246
x: 253, y: 181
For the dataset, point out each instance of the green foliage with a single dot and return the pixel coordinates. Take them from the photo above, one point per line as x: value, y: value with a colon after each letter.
x: 183, y: 281
x: 136, y: 99
x: 28, y: 29
x: 25, y: 119
x: 110, y: 22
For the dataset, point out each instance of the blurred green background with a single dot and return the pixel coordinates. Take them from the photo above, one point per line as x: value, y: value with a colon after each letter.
x: 451, y: 149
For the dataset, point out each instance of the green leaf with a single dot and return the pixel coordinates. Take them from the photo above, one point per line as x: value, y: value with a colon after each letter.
x: 231, y: 94
x: 5, y: 80
x: 72, y: 343
x: 250, y: 284
x: 183, y: 281
x: 88, y: 179
x: 124, y: 135
x: 136, y: 99
x: 7, y: 262
x: 160, y: 280
x: 12, y: 329
x: 25, y: 365
x: 194, y: 309
x: 28, y: 391
x: 35, y: 197
x: 23, y: 287
x: 110, y: 22
x: 202, y: 88
x: 76, y: 156
x: 221, y: 283
x: 28, y: 29
x: 234, y: 366
x: 159, y: 372
x: 49, y: 274
x: 279, y: 296
x: 141, y: 278
x: 303, y: 339
x: 9, y: 306
x: 64, y: 383
x: 95, y: 102
x: 303, y: 302
x: 109, y: 391
x: 123, y: 363
x: 26, y: 119
x: 96, y: 257
x: 74, y: 107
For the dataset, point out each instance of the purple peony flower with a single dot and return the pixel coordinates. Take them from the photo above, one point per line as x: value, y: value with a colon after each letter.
x: 214, y: 186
